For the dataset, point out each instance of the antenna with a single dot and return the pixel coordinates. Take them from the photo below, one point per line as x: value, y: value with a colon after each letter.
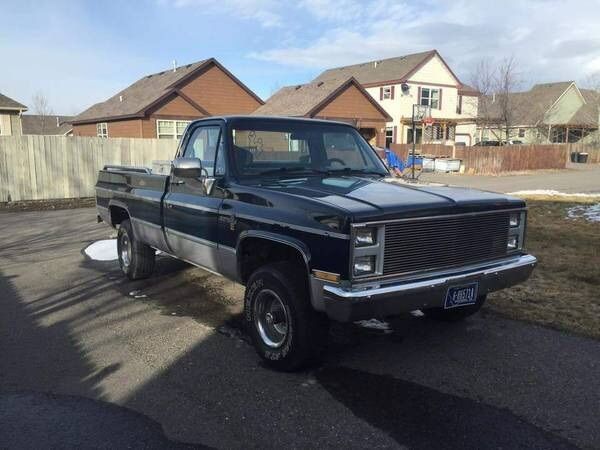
x: 174, y: 65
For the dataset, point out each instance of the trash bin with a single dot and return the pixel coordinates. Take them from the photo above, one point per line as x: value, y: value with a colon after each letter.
x: 582, y: 158
x: 573, y: 156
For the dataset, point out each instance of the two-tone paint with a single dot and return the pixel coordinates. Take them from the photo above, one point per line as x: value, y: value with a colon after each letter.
x: 206, y: 221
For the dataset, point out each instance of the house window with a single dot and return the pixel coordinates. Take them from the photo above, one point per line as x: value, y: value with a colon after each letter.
x: 430, y: 97
x: 437, y: 132
x: 387, y: 92
x: 102, y: 130
x: 389, y: 137
x: 171, y: 129
x: 521, y: 132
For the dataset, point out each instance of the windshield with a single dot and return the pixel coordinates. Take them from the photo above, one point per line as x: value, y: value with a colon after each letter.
x: 300, y: 148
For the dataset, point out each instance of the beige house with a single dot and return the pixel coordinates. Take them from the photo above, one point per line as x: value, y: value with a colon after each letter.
x: 424, y: 79
x: 550, y: 112
x: 10, y: 116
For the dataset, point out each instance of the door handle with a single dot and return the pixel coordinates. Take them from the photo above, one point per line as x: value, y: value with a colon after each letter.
x: 177, y: 182
x: 170, y: 206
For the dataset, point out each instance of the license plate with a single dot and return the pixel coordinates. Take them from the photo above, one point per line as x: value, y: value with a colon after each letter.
x: 461, y: 296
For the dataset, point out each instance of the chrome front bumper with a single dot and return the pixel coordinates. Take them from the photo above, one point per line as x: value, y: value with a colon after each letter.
x: 350, y: 303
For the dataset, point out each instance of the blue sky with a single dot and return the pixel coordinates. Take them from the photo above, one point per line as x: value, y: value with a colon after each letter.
x: 80, y: 52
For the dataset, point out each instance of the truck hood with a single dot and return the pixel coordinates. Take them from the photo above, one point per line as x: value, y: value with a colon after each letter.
x: 381, y: 199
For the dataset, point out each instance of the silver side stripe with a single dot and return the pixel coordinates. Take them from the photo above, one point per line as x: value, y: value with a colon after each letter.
x: 304, y: 229
x: 191, y: 206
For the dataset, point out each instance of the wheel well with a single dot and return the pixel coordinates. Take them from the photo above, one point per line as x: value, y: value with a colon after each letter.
x: 255, y: 252
x: 118, y: 215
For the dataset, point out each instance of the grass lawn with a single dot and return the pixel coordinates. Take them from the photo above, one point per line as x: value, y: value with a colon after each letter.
x: 564, y: 290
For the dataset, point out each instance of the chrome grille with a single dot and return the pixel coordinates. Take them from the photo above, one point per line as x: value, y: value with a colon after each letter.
x: 444, y: 242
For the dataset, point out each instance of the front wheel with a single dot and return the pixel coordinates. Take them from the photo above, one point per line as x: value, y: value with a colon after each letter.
x: 455, y: 314
x: 286, y: 331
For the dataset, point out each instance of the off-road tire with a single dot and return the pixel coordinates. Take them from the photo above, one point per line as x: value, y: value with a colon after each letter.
x: 140, y: 263
x: 455, y: 314
x: 307, y: 329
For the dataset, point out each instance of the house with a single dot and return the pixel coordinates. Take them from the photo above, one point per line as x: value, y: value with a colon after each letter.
x: 47, y: 124
x: 162, y: 104
x: 423, y: 79
x: 10, y: 116
x: 557, y: 112
x: 332, y: 99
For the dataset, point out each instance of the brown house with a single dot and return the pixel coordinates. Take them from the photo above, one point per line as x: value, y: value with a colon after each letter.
x: 162, y: 104
x: 343, y: 100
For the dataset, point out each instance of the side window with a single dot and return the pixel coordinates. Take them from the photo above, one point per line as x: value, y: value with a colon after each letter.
x: 203, y: 145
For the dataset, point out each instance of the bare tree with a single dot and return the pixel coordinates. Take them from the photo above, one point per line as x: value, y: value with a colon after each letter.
x: 497, y: 103
x: 592, y: 84
x: 42, y: 108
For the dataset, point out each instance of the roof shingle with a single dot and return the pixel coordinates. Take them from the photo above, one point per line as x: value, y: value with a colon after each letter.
x: 138, y: 96
x: 378, y: 71
x: 302, y: 100
x: 9, y: 103
x: 46, y: 125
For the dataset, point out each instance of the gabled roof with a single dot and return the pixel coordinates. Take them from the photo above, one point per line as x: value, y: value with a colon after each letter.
x: 529, y: 107
x: 305, y: 100
x: 372, y: 73
x: 150, y: 90
x: 9, y: 103
x: 46, y: 125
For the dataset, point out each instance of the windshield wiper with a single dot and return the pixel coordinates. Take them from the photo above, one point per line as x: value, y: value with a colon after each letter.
x: 291, y: 170
x: 349, y: 170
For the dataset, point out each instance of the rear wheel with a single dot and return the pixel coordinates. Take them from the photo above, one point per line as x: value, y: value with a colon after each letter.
x: 456, y: 314
x: 286, y: 331
x: 135, y: 258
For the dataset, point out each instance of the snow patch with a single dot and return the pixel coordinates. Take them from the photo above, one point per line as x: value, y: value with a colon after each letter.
x: 105, y: 250
x: 553, y: 193
x: 374, y: 324
x: 417, y: 313
x: 590, y: 213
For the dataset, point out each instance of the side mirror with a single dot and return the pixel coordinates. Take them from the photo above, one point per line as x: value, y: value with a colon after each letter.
x: 187, y: 168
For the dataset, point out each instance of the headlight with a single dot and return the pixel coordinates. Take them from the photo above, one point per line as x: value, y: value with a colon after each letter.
x: 515, y: 219
x: 365, y: 237
x: 364, y: 265
x: 513, y: 242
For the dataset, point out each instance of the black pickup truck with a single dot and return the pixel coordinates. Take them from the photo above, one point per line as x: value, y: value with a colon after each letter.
x: 304, y: 214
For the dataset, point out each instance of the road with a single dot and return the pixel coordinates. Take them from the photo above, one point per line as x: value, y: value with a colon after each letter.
x: 90, y: 359
x: 578, y: 178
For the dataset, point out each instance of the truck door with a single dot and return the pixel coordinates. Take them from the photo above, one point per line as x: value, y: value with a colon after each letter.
x: 191, y: 206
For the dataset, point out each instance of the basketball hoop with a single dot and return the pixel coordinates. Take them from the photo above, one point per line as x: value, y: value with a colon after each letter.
x: 421, y: 113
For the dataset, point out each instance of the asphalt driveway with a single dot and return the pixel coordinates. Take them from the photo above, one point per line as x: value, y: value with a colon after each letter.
x: 578, y: 178
x: 90, y: 359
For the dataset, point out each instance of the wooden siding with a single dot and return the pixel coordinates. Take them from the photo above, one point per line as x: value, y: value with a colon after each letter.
x: 351, y: 104
x: 216, y: 92
x: 177, y: 106
x: 88, y: 129
x: 118, y: 128
x: 125, y: 128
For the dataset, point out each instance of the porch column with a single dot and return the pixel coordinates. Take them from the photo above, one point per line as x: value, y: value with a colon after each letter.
x: 567, y: 135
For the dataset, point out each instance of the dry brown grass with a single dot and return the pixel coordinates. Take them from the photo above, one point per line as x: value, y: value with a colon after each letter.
x: 564, y: 290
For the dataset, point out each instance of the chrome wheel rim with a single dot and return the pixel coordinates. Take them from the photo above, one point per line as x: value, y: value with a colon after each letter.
x: 271, y: 318
x: 125, y: 249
